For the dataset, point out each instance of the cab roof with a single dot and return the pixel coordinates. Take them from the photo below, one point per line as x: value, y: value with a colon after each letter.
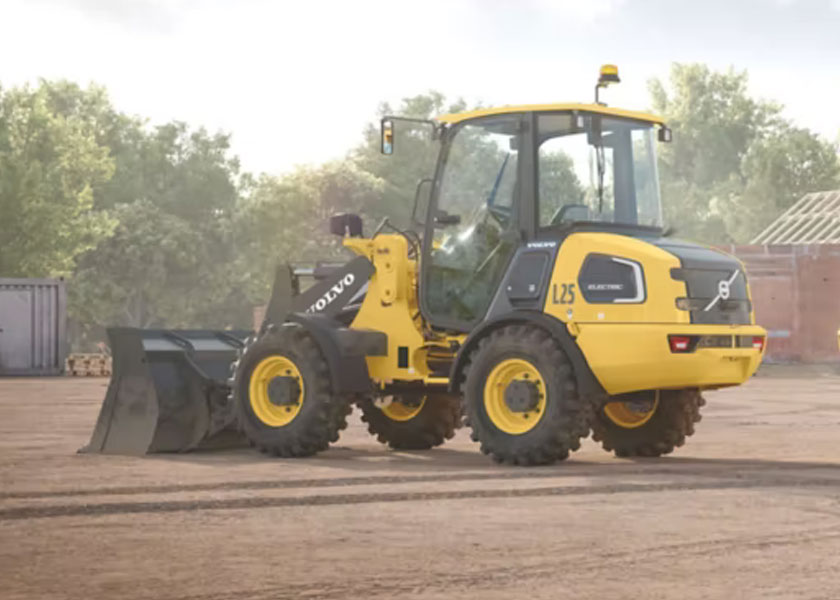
x: 591, y: 108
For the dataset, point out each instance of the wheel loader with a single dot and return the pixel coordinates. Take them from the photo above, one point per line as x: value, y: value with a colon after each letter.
x: 537, y: 300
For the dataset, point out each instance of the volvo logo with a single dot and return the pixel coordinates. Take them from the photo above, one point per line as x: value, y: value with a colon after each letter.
x: 332, y: 293
x: 723, y: 290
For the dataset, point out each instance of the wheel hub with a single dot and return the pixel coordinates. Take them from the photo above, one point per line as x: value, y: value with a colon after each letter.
x: 522, y: 396
x: 515, y: 396
x: 632, y: 410
x: 283, y: 391
x: 399, y: 408
x: 640, y: 406
x: 276, y: 390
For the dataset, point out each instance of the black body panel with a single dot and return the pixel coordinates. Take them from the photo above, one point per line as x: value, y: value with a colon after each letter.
x: 344, y: 349
x: 605, y: 279
x: 525, y: 283
x: 327, y: 297
x: 707, y: 273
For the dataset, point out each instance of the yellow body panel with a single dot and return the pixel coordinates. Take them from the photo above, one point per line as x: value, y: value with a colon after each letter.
x: 595, y: 108
x: 661, y: 289
x: 390, y: 302
x: 391, y: 306
x: 626, y: 345
x: 631, y: 357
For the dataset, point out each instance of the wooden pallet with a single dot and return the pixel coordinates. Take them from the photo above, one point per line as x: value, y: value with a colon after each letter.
x: 88, y: 365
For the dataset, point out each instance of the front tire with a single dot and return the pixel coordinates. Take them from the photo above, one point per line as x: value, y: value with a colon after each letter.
x: 283, y: 396
x: 521, y: 397
x: 650, y: 423
x: 413, y: 423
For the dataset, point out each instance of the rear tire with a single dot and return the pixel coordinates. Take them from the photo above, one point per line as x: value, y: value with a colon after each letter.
x: 554, y: 427
x: 295, y: 430
x: 671, y: 422
x: 417, y: 427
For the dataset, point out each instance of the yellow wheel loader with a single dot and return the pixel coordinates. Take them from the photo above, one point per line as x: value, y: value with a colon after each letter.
x: 541, y: 301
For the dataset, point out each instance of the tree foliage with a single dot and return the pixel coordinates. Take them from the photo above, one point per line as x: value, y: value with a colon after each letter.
x: 735, y: 163
x: 51, y: 161
x: 284, y: 219
x: 171, y: 261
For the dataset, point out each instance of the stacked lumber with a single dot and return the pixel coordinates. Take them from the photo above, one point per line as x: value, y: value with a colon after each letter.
x: 88, y: 365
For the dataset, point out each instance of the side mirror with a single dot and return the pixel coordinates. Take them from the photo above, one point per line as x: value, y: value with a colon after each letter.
x: 664, y: 134
x: 387, y: 132
x: 346, y: 224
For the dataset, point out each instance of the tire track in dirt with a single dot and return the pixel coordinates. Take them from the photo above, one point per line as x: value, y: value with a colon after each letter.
x: 115, y: 508
x: 500, y: 576
x: 307, y: 483
x: 697, y: 469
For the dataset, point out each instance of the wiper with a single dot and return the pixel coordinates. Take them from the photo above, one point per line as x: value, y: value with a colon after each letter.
x: 491, y: 199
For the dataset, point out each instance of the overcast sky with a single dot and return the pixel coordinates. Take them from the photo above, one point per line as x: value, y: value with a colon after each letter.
x: 295, y: 81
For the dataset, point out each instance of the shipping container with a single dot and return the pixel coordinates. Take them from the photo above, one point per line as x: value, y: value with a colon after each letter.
x: 32, y: 326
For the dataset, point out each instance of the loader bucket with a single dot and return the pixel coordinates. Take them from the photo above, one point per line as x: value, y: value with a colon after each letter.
x: 168, y: 392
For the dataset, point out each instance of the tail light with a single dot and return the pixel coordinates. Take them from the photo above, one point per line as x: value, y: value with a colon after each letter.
x: 680, y: 343
x: 758, y: 342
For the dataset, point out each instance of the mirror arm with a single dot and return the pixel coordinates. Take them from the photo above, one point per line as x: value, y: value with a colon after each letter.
x: 430, y: 122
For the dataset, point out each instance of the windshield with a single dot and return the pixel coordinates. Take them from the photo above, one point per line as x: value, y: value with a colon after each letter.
x: 594, y: 168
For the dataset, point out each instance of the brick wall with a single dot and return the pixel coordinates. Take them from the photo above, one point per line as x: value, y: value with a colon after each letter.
x: 796, y: 294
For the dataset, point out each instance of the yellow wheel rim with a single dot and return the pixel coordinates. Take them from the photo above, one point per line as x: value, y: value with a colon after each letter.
x: 397, y: 411
x: 500, y: 414
x: 266, y: 411
x: 631, y: 414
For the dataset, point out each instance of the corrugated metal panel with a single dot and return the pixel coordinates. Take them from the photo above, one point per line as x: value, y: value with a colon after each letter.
x: 32, y: 326
x: 813, y: 219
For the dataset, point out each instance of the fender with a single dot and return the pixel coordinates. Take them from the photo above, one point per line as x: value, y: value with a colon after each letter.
x: 588, y: 384
x: 344, y: 350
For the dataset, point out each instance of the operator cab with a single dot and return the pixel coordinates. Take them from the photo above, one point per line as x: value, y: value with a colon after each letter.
x: 516, y: 174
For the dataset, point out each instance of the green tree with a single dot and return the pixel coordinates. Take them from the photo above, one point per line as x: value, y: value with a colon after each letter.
x: 559, y: 185
x: 51, y: 163
x: 778, y: 171
x: 735, y: 163
x: 285, y: 219
x: 171, y: 261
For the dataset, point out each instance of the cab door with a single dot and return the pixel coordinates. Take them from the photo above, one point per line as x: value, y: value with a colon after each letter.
x: 474, y: 216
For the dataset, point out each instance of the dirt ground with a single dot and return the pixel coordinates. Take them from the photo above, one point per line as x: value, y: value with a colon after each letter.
x: 749, y: 508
